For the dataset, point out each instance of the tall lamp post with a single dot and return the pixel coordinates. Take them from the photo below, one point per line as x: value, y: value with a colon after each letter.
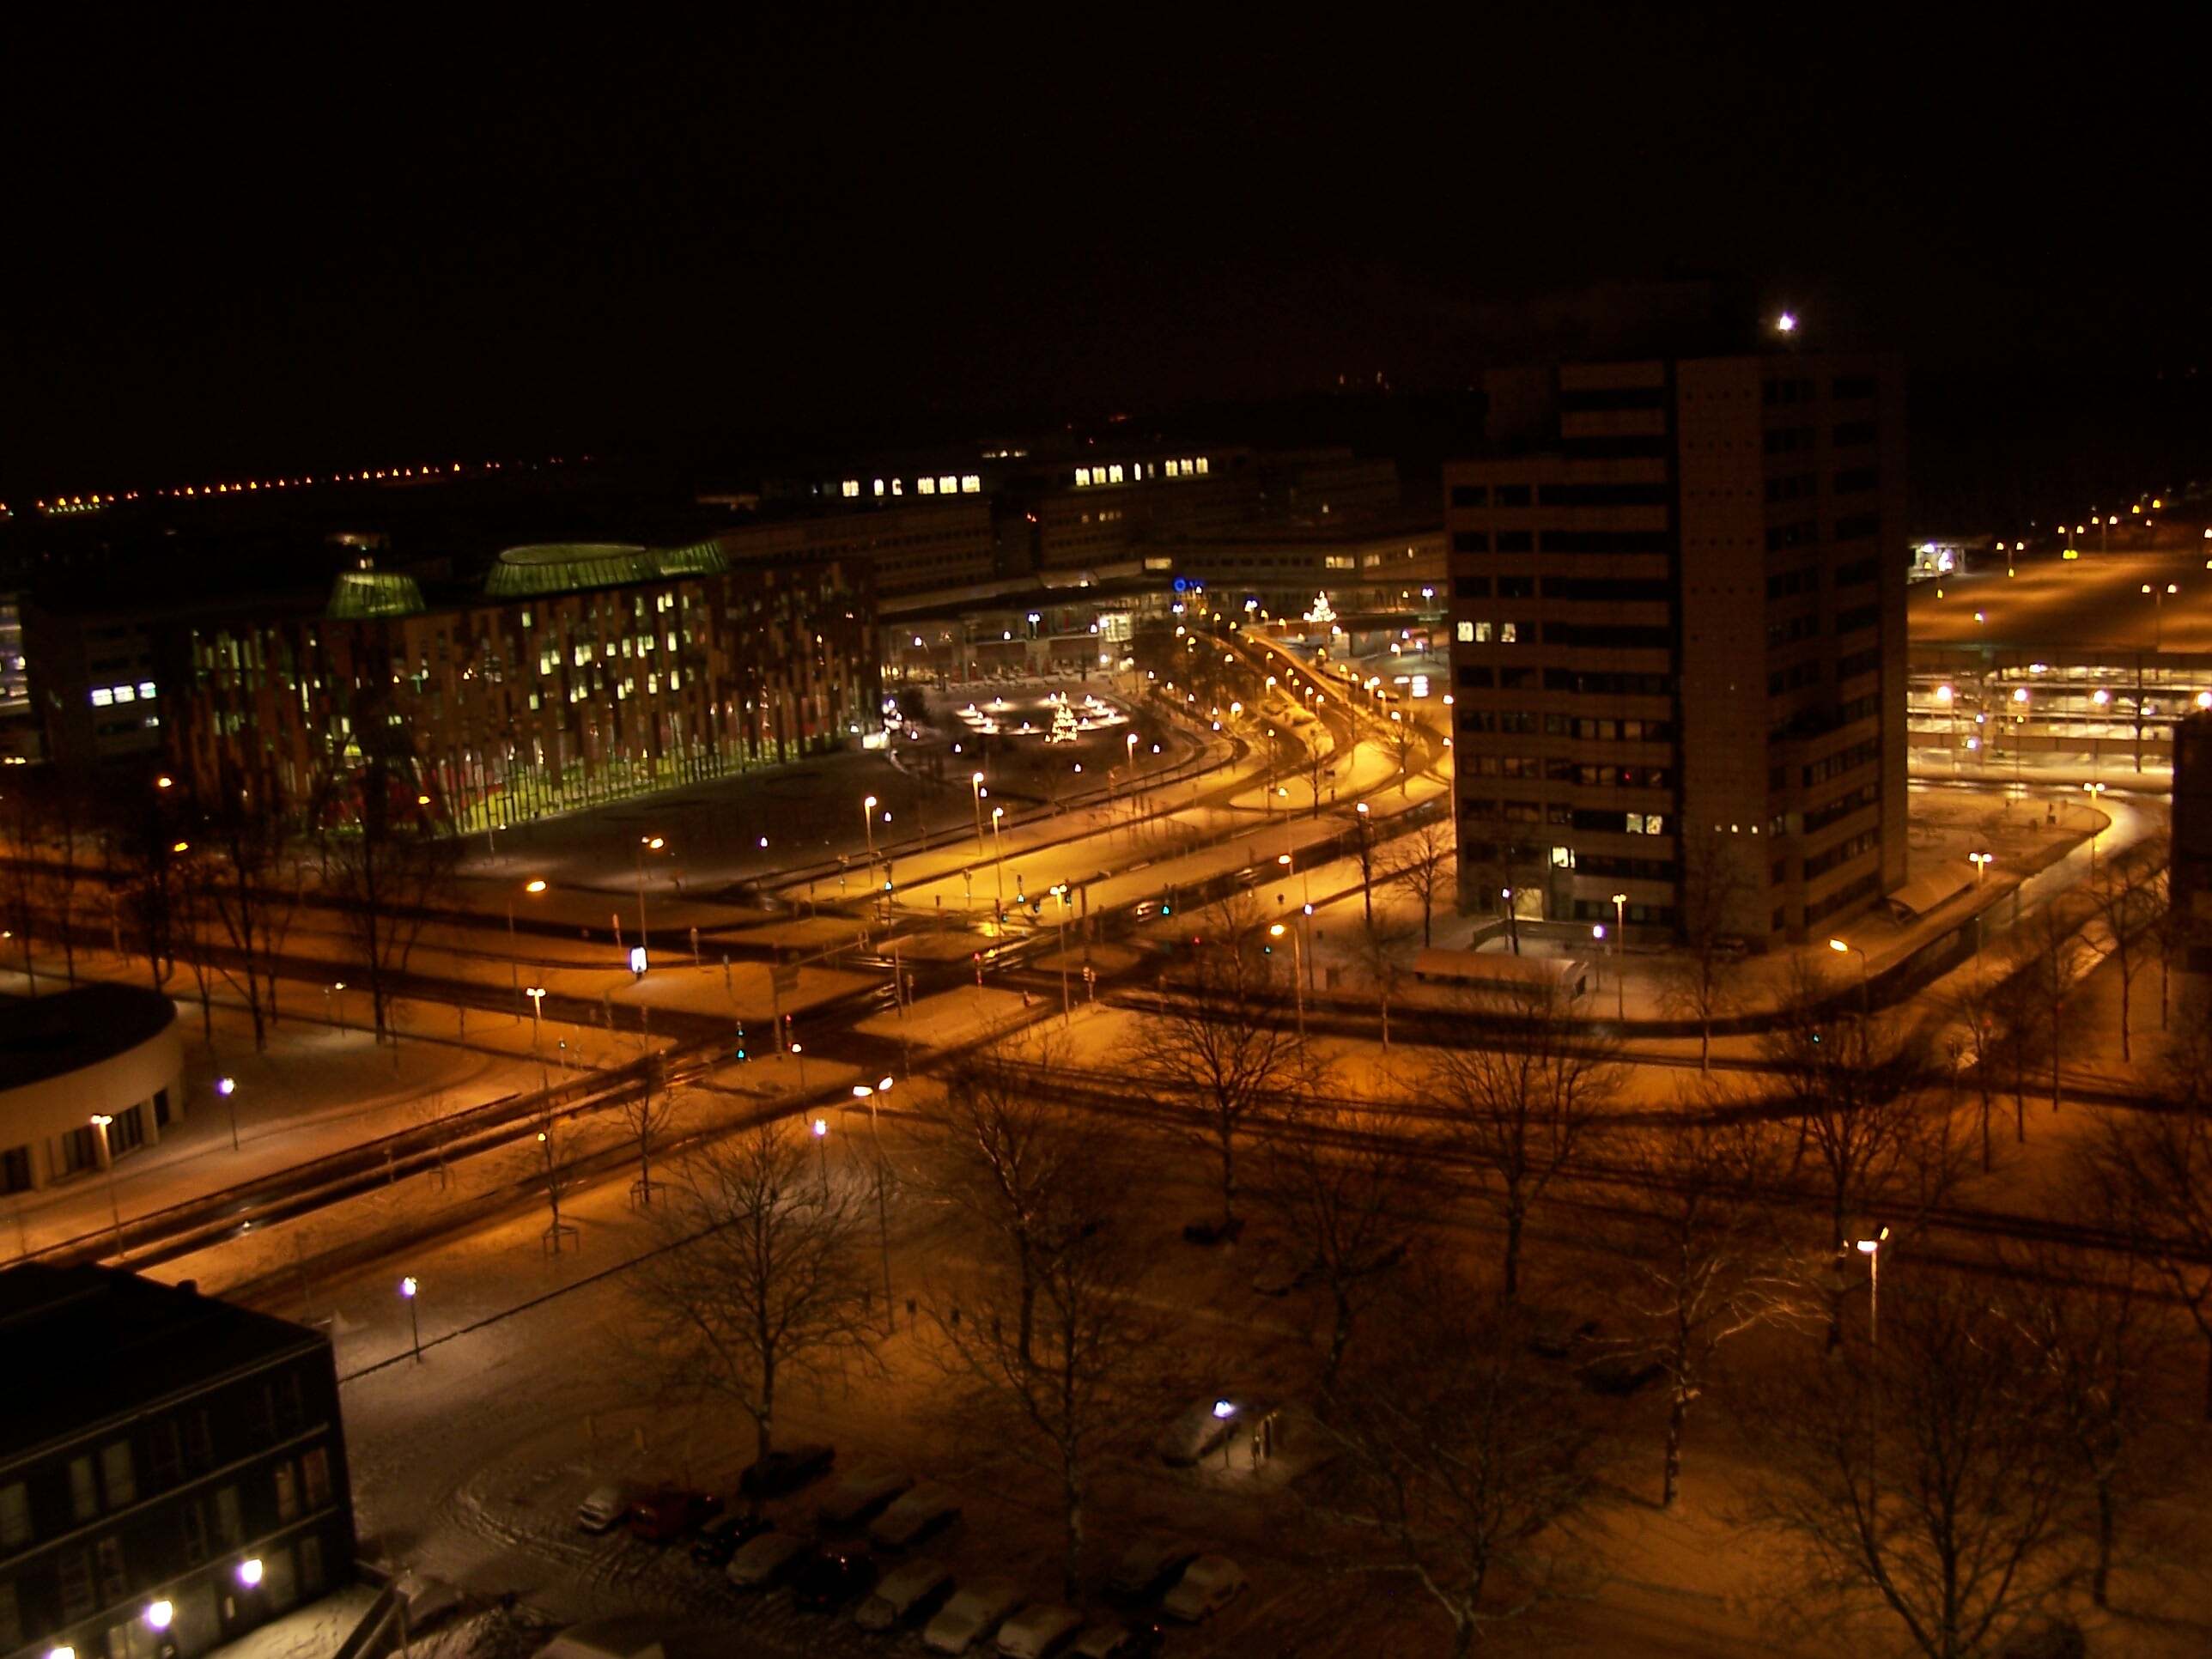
x: 868, y: 827
x: 537, y: 995
x: 1981, y: 861
x: 1297, y: 972
x: 1839, y: 947
x: 975, y: 782
x: 228, y: 1088
x: 2093, y: 790
x: 99, y: 1122
x: 998, y: 869
x: 414, y: 1323
x: 513, y: 966
x: 1871, y: 1249
x: 645, y: 844
x: 1619, y: 968
x: 868, y: 1092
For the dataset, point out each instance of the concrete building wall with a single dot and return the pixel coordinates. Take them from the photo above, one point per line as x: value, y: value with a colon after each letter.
x: 45, y: 1126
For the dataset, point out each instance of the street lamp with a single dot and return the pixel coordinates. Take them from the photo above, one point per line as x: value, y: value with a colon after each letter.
x: 1297, y: 972
x: 2093, y: 790
x: 975, y: 783
x: 1871, y: 1249
x: 1981, y: 861
x: 1839, y: 947
x: 226, y: 1087
x: 820, y: 1128
x: 645, y: 844
x: 414, y: 1324
x: 868, y: 827
x: 1066, y: 1005
x: 869, y: 1093
x: 2158, y: 610
x: 99, y: 1122
x: 537, y: 995
x: 513, y: 967
x: 997, y: 868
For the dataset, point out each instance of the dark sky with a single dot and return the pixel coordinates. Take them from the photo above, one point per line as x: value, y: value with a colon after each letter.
x: 237, y: 247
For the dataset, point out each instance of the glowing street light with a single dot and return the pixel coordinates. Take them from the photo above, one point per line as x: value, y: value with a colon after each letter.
x: 414, y: 1323
x: 101, y: 1122
x: 975, y: 783
x: 249, y: 1572
x: 533, y: 887
x: 227, y: 1088
x: 868, y: 827
x: 1871, y: 1249
x: 1298, y: 971
x: 1840, y: 946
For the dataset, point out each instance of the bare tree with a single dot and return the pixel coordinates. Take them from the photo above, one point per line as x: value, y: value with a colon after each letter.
x: 1459, y: 1467
x: 2048, y: 976
x: 1383, y: 954
x: 1701, y: 1260
x: 1700, y: 977
x: 2129, y: 894
x: 1420, y: 864
x: 1024, y: 1170
x: 2153, y: 1170
x: 2094, y: 1330
x: 646, y: 1115
x: 19, y: 873
x: 392, y: 856
x: 1337, y: 1182
x: 1870, y: 1114
x: 145, y: 846
x: 559, y: 1176
x: 254, y: 885
x: 65, y: 840
x: 1064, y: 1387
x: 764, y: 1277
x: 1929, y: 1474
x: 1316, y: 763
x: 1524, y: 1097
x: 1996, y: 1041
x: 1219, y: 1053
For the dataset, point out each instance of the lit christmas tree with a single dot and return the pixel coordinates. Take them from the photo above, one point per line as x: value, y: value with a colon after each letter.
x: 1321, y: 612
x: 1063, y: 724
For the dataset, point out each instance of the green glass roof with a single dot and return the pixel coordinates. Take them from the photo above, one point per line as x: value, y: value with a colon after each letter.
x: 374, y: 593
x: 572, y: 567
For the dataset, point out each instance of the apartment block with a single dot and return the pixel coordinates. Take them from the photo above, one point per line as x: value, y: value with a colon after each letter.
x: 173, y: 1469
x: 1678, y: 620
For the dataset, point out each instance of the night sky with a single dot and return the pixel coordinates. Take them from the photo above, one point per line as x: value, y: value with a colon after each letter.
x: 246, y: 248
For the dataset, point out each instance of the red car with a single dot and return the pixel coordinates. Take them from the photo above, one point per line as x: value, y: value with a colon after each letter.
x: 671, y: 1513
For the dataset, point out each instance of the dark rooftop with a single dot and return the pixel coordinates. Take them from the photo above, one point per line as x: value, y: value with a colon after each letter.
x: 86, y: 1346
x: 47, y: 1036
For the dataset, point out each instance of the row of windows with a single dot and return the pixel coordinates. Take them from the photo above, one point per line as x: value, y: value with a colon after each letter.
x: 1784, y: 583
x: 1850, y: 893
x: 1842, y: 853
x: 1522, y: 722
x: 1842, y: 807
x: 1857, y: 663
x: 948, y: 483
x: 1614, y: 636
x: 1864, y: 753
x: 1795, y: 678
x: 1790, y: 629
x: 1865, y: 616
x: 1564, y: 541
x: 1554, y: 769
x: 104, y: 696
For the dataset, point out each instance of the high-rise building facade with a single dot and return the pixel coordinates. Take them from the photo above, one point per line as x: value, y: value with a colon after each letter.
x: 1678, y: 656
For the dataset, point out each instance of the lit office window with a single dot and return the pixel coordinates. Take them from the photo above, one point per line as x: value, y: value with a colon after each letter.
x: 948, y: 485
x: 146, y: 688
x: 971, y: 483
x: 1114, y: 472
x: 1082, y: 477
x: 1201, y: 464
x: 102, y: 697
x: 852, y: 488
x: 1467, y: 633
x: 879, y: 486
x: 924, y: 486
x: 125, y: 694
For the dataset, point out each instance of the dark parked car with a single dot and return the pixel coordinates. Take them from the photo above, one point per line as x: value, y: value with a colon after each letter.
x: 833, y: 1579
x: 787, y: 1469
x: 721, y: 1537
x: 1150, y: 1566
x: 671, y: 1513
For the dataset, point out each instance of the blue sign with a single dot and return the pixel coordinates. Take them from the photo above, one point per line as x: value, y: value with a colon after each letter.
x: 1182, y: 586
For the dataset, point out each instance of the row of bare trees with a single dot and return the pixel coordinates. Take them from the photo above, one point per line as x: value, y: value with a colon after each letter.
x: 216, y: 880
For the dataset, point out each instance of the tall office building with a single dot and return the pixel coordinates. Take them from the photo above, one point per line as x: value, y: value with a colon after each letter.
x: 1677, y: 604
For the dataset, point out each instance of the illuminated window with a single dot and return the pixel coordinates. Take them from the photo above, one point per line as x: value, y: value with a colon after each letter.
x: 898, y: 487
x: 1467, y: 633
x: 879, y: 486
x: 146, y: 688
x: 971, y: 483
x: 526, y: 617
x: 852, y: 488
x: 1082, y: 477
x: 1509, y: 633
x: 125, y: 694
x: 1114, y: 472
x: 102, y: 697
x: 1201, y: 464
x: 1337, y: 561
x: 948, y: 485
x: 924, y: 486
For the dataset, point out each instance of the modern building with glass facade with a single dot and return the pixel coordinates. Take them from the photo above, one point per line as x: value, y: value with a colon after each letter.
x: 581, y: 673
x: 173, y: 1469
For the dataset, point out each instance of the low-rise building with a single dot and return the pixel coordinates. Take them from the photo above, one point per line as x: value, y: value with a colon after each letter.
x: 87, y: 1077
x: 173, y: 1469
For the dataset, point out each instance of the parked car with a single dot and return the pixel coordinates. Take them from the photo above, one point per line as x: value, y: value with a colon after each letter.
x: 1040, y: 1631
x: 602, y: 1508
x: 971, y: 1615
x: 1112, y: 1641
x: 1212, y: 1232
x: 671, y: 1512
x: 928, y: 1508
x: 908, y: 1594
x: 859, y: 1496
x: 723, y: 1536
x: 787, y: 1469
x: 1149, y: 1566
x: 1208, y: 1586
x: 767, y: 1559
x: 833, y: 1578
